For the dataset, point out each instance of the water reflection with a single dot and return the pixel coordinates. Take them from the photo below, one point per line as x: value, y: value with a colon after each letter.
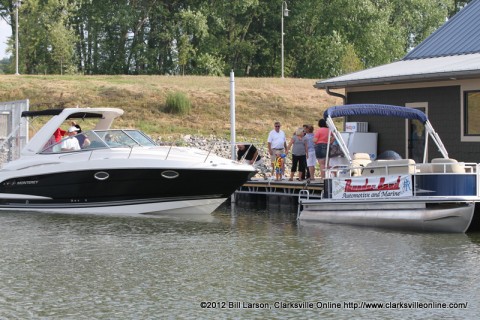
x: 79, y: 267
x: 474, y: 237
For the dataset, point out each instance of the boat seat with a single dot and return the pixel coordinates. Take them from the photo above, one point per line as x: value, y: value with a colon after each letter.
x: 338, y: 165
x: 424, y: 168
x: 360, y: 159
x: 447, y: 165
x: 379, y: 167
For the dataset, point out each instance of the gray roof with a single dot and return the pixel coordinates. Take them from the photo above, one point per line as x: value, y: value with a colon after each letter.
x: 459, y: 35
x: 403, y: 71
x: 451, y: 52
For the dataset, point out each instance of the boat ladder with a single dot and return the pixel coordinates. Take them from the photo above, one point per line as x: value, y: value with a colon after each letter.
x: 302, y: 195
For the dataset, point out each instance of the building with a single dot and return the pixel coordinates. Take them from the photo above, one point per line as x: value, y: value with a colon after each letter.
x: 441, y: 76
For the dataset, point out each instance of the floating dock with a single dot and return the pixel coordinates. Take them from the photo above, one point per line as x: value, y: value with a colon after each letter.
x: 277, y: 195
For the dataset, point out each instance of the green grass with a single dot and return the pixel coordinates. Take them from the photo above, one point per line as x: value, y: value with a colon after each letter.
x: 177, y: 103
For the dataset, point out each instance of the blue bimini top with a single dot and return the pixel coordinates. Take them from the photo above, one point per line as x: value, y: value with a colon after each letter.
x: 375, y: 110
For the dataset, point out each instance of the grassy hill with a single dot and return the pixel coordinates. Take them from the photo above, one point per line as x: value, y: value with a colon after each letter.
x: 259, y: 101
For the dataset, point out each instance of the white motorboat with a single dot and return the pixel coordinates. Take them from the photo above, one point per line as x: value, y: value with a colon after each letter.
x: 115, y: 172
x: 435, y: 196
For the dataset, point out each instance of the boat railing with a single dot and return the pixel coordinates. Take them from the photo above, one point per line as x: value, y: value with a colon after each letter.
x: 404, y: 166
x: 208, y: 148
x: 170, y: 151
x: 374, y: 168
x: 221, y: 148
x: 209, y: 151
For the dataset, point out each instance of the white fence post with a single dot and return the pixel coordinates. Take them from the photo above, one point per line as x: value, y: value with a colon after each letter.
x: 232, y: 121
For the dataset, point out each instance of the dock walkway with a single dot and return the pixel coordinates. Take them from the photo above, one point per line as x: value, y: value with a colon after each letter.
x: 279, y: 196
x: 260, y: 186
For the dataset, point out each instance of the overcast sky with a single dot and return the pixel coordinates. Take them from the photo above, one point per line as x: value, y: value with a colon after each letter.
x: 5, y: 33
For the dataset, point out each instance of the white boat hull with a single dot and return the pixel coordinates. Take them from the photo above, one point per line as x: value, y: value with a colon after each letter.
x: 119, y: 172
x: 418, y: 216
x: 203, y: 206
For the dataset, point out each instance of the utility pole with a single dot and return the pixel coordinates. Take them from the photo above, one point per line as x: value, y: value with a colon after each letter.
x: 284, y: 14
x: 16, y: 5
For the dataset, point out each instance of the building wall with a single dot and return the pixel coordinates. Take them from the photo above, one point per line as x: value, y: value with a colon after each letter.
x: 444, y: 112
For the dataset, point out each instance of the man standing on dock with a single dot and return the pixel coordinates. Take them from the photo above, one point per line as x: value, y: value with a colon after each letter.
x: 277, y: 145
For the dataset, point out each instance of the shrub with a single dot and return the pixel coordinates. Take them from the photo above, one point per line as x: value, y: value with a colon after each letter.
x: 177, y: 103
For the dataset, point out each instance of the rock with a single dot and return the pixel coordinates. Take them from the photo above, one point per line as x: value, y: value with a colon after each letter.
x: 221, y: 147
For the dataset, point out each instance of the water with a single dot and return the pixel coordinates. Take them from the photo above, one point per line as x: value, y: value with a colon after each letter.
x: 89, y: 267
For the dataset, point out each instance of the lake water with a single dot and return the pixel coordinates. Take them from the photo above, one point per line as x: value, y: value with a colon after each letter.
x: 234, y: 264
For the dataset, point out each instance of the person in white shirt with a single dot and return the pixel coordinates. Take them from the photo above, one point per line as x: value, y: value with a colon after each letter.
x: 71, y: 144
x: 277, y: 145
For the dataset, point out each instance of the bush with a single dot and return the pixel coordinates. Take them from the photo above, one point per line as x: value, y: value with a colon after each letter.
x: 177, y: 103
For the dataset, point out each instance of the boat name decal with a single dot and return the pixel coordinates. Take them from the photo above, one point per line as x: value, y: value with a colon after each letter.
x: 20, y: 183
x: 372, y: 187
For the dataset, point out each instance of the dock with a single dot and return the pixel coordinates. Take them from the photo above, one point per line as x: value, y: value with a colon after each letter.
x: 276, y: 195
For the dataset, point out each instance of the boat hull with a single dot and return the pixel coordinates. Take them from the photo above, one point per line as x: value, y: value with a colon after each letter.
x: 128, y: 208
x: 122, y: 191
x: 454, y: 217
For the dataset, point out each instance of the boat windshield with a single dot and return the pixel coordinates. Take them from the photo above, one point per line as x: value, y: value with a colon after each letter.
x: 98, y: 139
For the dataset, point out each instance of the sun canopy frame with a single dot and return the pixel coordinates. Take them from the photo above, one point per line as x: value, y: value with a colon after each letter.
x: 375, y: 110
x: 380, y: 110
x: 56, y: 112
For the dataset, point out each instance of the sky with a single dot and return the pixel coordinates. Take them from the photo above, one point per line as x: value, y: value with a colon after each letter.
x: 5, y: 33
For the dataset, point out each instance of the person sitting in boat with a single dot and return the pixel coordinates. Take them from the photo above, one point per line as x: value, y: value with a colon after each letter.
x: 83, y: 140
x: 71, y: 144
x: 111, y: 140
x: 58, y: 134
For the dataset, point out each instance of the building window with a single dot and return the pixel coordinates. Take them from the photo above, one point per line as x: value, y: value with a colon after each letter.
x: 472, y: 113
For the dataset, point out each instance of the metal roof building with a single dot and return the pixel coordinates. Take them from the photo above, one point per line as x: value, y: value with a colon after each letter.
x: 451, y: 52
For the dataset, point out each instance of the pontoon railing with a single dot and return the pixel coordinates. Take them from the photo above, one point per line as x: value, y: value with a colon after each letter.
x: 418, y: 168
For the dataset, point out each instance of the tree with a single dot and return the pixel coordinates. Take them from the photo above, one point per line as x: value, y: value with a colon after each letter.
x: 62, y: 47
x: 323, y: 38
x: 46, y: 40
x: 192, y: 28
x: 367, y: 33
